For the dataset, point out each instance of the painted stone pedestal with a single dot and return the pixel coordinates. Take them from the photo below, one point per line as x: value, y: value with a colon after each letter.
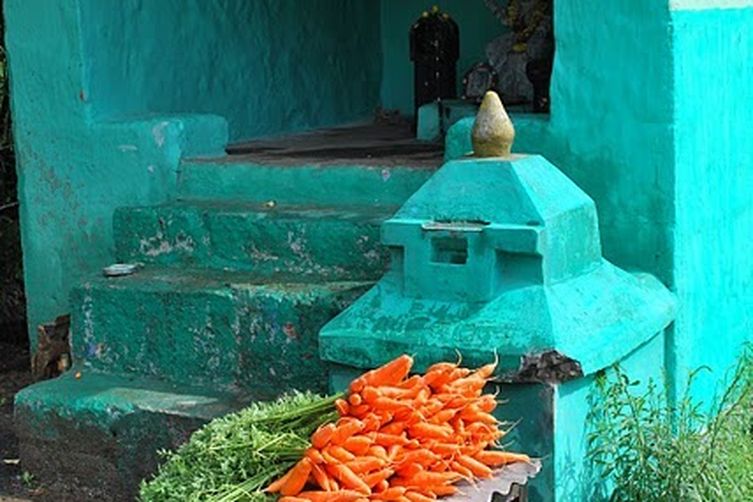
x: 502, y: 257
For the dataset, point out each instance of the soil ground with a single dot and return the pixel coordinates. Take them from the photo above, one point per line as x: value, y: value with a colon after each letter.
x: 14, y: 375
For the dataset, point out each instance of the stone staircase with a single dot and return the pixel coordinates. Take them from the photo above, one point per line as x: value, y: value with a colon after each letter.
x: 239, y: 272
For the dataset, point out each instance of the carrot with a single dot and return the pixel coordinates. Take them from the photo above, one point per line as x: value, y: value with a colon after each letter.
x: 342, y: 407
x: 299, y: 475
x: 392, y: 493
x: 323, y: 435
x: 360, y: 411
x: 444, y: 449
x: 338, y: 496
x: 477, y: 468
x: 275, y: 486
x: 427, y: 478
x: 427, y: 430
x: 345, y: 428
x: 340, y: 453
x: 365, y: 464
x: 409, y: 470
x: 422, y: 457
x: 389, y: 404
x: 443, y: 490
x: 390, y: 439
x: 289, y: 498
x: 371, y: 422
x: 396, y: 428
x: 358, y: 445
x: 355, y: 399
x: 391, y: 373
x: 321, y: 478
x: 487, y: 403
x: 474, y: 414
x: 443, y: 416
x: 348, y: 478
x: 417, y: 497
x: 381, y: 486
x: 314, y: 455
x: 462, y: 470
x: 375, y: 477
x: 499, y: 458
x: 412, y: 382
x: 378, y: 451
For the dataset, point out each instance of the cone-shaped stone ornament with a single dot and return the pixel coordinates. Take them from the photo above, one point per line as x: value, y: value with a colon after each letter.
x: 493, y: 132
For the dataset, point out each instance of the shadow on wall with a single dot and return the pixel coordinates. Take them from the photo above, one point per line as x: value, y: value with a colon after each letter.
x: 12, y: 302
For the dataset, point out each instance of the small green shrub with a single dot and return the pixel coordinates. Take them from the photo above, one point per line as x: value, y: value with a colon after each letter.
x: 650, y: 450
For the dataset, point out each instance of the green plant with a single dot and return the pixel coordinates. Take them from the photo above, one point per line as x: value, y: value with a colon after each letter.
x: 651, y: 450
x: 235, y: 456
x: 27, y: 479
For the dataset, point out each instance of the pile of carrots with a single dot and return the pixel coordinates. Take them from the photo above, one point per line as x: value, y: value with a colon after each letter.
x: 400, y: 437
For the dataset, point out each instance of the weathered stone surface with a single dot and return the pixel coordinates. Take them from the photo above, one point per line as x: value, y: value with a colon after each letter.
x: 226, y: 329
x: 315, y: 243
x: 102, y: 432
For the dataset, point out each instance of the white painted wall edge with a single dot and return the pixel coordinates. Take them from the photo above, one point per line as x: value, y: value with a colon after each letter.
x: 708, y: 4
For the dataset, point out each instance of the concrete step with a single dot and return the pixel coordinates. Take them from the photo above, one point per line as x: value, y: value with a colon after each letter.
x: 348, y: 183
x: 227, y: 329
x: 321, y: 243
x: 101, y: 432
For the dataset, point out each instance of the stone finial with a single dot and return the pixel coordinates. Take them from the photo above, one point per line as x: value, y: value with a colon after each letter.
x: 493, y: 132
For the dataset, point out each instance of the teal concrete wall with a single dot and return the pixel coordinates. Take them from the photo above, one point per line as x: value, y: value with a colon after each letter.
x: 713, y: 270
x: 72, y: 170
x: 266, y: 66
x: 477, y: 27
x: 611, y: 123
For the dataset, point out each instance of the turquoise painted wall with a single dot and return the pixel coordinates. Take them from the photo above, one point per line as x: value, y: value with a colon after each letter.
x: 713, y: 270
x: 73, y: 171
x: 477, y: 27
x: 267, y: 66
x: 611, y: 123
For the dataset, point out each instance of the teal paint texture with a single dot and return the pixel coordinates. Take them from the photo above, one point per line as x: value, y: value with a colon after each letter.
x: 267, y: 66
x: 713, y: 272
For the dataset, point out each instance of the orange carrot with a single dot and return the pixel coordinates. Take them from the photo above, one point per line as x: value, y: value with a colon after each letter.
x: 477, y: 468
x: 323, y: 435
x: 289, y: 498
x: 392, y: 493
x: 390, y: 439
x: 321, y: 478
x: 355, y: 399
x: 409, y: 470
x: 348, y: 478
x: 391, y: 373
x: 396, y: 428
x: 487, y: 403
x: 358, y: 445
x: 443, y: 416
x: 375, y: 477
x: 443, y: 490
x: 378, y: 451
x: 365, y: 464
x: 427, y: 430
x: 275, y: 486
x: 499, y: 458
x: 342, y: 407
x: 299, y: 475
x: 314, y: 455
x: 414, y: 496
x: 462, y: 470
x: 345, y: 428
x: 381, y: 486
x: 340, y: 453
x: 338, y: 496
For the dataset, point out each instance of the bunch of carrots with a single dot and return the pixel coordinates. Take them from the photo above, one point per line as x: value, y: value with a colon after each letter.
x: 403, y: 438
